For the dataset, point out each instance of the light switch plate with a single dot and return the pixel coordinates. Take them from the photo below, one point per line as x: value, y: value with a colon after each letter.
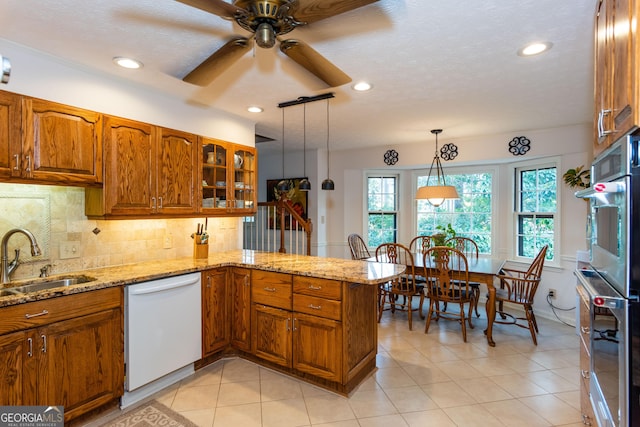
x: 69, y: 249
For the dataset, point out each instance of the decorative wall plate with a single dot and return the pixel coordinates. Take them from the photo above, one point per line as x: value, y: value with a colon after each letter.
x: 449, y: 151
x: 391, y: 157
x: 519, y: 145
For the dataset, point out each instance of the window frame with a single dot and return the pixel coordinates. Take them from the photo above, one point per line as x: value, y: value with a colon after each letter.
x: 492, y: 169
x: 396, y: 212
x: 514, y: 171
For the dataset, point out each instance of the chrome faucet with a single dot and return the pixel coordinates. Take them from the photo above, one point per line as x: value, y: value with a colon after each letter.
x: 9, y: 267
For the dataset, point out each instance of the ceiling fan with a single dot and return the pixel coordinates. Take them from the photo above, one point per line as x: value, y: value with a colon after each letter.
x: 267, y: 20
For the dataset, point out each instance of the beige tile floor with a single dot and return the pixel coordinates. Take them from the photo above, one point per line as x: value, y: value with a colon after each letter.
x: 422, y: 380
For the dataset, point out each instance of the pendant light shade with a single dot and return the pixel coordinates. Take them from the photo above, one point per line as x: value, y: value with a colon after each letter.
x: 438, y: 193
x: 328, y: 184
x: 304, y: 184
x: 283, y: 185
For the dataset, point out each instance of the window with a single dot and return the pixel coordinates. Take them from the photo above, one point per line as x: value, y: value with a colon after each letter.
x: 382, y: 206
x: 535, y: 210
x: 470, y: 216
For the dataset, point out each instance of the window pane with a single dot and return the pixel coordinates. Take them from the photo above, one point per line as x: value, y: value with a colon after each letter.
x: 382, y: 205
x: 470, y: 216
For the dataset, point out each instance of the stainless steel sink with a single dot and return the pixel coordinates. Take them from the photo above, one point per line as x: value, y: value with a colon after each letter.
x: 44, y: 285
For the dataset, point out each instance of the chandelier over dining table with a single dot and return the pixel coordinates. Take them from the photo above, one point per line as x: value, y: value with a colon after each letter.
x: 438, y: 193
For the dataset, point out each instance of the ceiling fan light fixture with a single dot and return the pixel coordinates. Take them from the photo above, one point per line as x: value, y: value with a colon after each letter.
x: 265, y: 35
x: 130, y: 63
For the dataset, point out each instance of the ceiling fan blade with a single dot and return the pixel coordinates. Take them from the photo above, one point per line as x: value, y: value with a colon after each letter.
x: 217, y: 63
x: 314, y: 10
x: 315, y: 63
x: 217, y: 7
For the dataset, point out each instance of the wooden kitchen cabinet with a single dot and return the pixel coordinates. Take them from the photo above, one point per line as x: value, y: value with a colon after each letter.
x: 617, y: 70
x: 228, y: 178
x: 149, y: 170
x: 63, y: 351
x: 61, y: 144
x: 588, y: 416
x: 240, y: 310
x: 10, y: 144
x: 215, y: 308
x: 297, y: 323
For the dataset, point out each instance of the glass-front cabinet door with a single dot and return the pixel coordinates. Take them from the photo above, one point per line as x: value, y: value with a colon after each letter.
x: 244, y: 178
x: 228, y: 177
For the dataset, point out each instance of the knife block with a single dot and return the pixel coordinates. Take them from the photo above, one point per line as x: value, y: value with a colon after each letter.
x: 200, y: 250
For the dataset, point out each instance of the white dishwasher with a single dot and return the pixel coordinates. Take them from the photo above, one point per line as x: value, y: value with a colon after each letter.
x: 163, y: 334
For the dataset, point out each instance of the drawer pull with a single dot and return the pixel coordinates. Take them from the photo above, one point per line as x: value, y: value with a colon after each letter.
x: 42, y: 313
x: 585, y: 374
x: 315, y: 307
x: 315, y: 288
x: 585, y: 329
x: 270, y: 289
x: 30, y: 352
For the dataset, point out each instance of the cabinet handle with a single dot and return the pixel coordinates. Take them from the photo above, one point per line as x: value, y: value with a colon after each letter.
x: 30, y: 351
x: 42, y: 313
x: 315, y: 288
x: 287, y: 324
x: 585, y: 374
x: 153, y: 203
x: 44, y: 343
x: 601, y: 130
x: 586, y: 420
x: 295, y: 328
x: 270, y: 289
x: 17, y: 159
x: 28, y: 164
x: 159, y: 202
x: 585, y: 330
x: 208, y: 281
x: 246, y: 280
x: 315, y: 307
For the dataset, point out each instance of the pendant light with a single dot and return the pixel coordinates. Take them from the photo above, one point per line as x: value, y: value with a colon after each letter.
x: 437, y: 194
x: 328, y: 184
x: 304, y: 184
x: 283, y: 185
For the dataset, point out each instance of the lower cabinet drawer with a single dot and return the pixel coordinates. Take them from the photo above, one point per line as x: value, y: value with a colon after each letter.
x: 272, y: 289
x: 329, y: 309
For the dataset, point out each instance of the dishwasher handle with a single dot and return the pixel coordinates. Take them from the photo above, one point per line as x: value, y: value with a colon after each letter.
x: 164, y: 287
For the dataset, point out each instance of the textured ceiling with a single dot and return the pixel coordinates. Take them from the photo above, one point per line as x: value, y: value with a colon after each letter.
x: 433, y: 64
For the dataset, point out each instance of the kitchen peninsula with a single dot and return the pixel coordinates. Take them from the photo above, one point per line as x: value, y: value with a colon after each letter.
x: 310, y: 317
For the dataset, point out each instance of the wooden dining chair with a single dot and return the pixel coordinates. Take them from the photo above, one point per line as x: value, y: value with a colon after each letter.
x: 447, y: 272
x: 357, y: 246
x: 470, y: 249
x: 404, y: 286
x: 518, y: 287
x: 420, y: 244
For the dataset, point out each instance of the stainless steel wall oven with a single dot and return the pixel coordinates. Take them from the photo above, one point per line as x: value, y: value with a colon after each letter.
x: 613, y: 284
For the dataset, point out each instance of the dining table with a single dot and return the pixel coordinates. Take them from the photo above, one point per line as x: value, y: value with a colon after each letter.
x: 482, y: 270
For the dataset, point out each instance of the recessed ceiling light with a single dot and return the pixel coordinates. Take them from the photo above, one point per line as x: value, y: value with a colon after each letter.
x: 362, y: 86
x: 127, y: 62
x: 535, y: 48
x: 254, y: 109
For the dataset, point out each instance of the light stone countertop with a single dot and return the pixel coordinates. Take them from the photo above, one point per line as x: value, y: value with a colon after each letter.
x: 364, y: 272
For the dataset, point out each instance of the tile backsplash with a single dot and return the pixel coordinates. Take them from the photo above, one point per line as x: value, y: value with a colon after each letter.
x: 74, y: 243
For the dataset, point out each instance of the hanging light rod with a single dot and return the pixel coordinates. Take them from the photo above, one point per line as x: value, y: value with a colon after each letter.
x: 305, y: 99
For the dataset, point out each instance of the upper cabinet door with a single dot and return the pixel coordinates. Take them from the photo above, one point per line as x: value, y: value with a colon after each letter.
x: 10, y: 145
x: 176, y: 172
x: 61, y: 143
x: 129, y: 157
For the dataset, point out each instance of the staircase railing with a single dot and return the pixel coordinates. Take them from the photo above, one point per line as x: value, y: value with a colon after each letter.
x: 278, y: 227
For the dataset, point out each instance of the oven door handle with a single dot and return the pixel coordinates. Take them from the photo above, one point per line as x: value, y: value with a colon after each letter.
x: 600, y: 188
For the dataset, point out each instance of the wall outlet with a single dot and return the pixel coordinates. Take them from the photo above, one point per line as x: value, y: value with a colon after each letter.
x: 552, y: 293
x: 167, y: 241
x: 69, y: 249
